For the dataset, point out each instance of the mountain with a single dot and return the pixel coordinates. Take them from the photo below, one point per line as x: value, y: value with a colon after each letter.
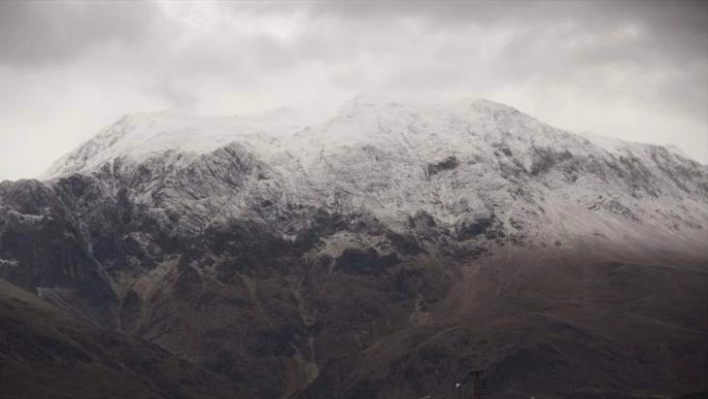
x: 386, y: 250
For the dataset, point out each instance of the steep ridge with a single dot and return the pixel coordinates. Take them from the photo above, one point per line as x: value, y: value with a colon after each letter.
x: 352, y: 253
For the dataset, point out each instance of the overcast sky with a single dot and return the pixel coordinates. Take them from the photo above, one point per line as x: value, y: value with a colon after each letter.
x: 636, y: 70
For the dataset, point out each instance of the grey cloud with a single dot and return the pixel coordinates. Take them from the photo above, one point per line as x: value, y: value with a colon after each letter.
x: 268, y: 53
x: 683, y: 92
x: 581, y: 43
x: 671, y: 27
x: 680, y: 14
x: 175, y: 96
x: 37, y: 33
x: 427, y: 77
x: 649, y: 58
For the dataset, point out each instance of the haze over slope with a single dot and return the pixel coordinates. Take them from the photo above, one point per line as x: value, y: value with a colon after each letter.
x: 383, y: 251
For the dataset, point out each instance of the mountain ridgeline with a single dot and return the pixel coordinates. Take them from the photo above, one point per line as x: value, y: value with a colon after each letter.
x: 385, y: 251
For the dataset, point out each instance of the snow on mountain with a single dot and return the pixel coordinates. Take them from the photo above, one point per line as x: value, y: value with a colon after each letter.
x: 139, y: 137
x: 456, y: 161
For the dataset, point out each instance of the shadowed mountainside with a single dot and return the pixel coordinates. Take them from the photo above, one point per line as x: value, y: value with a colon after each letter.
x: 45, y: 352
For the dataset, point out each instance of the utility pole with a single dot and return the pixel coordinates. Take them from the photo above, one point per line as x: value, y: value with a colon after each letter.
x: 477, y: 381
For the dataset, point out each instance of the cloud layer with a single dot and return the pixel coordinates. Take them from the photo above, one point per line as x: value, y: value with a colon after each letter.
x: 637, y: 70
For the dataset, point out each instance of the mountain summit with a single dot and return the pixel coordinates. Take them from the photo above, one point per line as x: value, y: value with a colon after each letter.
x: 385, y: 250
x: 392, y: 160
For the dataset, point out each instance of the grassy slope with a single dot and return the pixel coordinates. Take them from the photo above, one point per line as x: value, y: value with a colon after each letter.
x: 46, y: 353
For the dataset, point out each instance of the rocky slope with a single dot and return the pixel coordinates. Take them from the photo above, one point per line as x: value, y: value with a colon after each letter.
x: 384, y: 251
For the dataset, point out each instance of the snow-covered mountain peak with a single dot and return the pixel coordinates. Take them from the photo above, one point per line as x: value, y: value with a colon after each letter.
x: 368, y: 102
x: 430, y: 130
x: 138, y: 137
x: 405, y: 164
x: 386, y: 142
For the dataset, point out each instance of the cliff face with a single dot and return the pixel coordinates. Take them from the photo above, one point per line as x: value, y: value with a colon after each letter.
x: 384, y: 251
